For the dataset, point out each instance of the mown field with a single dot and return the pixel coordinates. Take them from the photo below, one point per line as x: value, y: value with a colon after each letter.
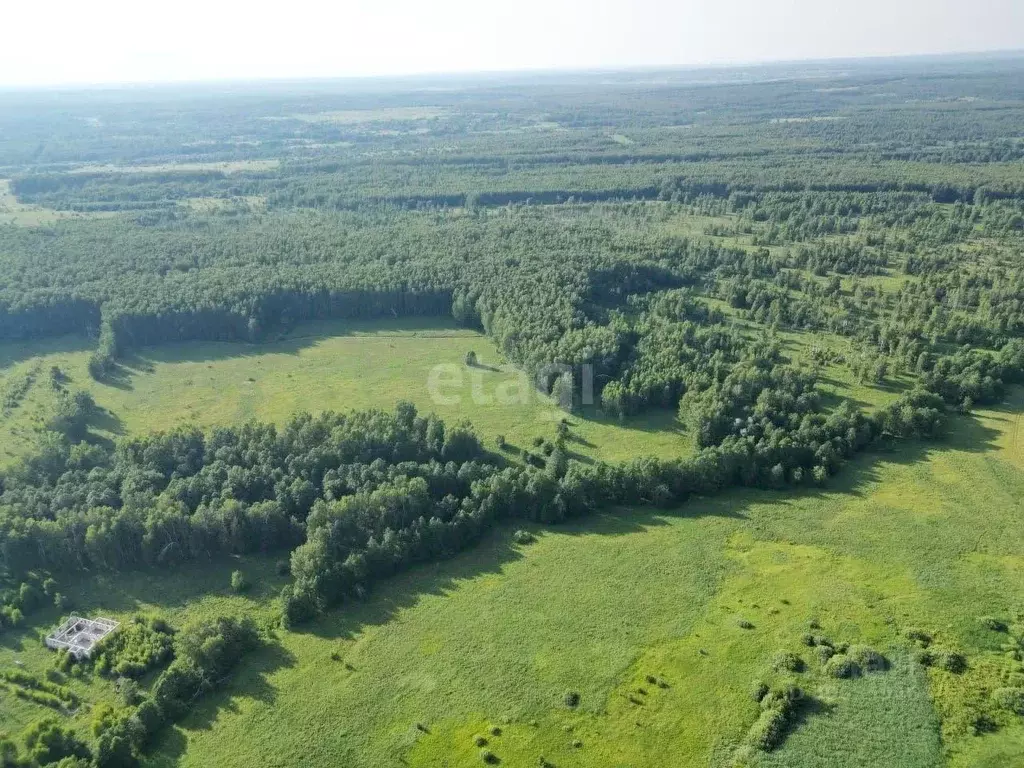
x: 921, y: 538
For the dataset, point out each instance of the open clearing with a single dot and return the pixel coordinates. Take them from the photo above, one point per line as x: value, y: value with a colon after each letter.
x: 347, y: 365
x: 334, y: 366
x: 14, y: 213
x: 227, y: 166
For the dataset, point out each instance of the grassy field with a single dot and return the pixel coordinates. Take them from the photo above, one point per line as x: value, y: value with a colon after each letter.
x: 335, y: 366
x: 17, y: 214
x: 929, y: 537
x: 497, y: 637
x: 349, y: 365
x: 233, y: 166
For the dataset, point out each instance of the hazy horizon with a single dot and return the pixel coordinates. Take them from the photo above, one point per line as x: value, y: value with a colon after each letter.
x: 116, y: 42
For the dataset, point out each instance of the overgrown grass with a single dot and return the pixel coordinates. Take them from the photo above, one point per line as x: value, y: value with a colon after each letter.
x: 927, y: 540
x: 499, y: 636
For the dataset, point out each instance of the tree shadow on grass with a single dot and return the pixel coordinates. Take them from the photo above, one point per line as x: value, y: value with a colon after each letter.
x: 15, y: 638
x: 17, y: 351
x: 104, y: 420
x: 160, y: 589
x: 580, y: 440
x: 653, y: 420
x: 489, y: 556
x: 485, y: 367
x: 805, y: 710
x: 248, y: 681
x: 291, y: 342
x: 119, y: 375
x: 345, y: 622
x: 582, y: 458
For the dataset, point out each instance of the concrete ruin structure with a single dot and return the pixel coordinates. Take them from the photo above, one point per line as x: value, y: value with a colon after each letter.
x: 79, y: 636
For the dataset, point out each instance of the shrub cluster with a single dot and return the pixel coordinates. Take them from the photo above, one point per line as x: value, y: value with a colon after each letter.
x: 137, y: 647
x: 778, y: 708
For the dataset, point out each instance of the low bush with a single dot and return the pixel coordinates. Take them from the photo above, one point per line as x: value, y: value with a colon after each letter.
x: 205, y: 652
x: 1011, y: 699
x: 778, y: 707
x: 842, y: 666
x: 868, y: 659
x: 925, y: 657
x: 128, y: 691
x: 759, y: 690
x: 523, y: 537
x: 787, y: 693
x: 767, y: 731
x: 787, y: 661
x: 49, y: 742
x: 30, y: 688
x: 952, y: 661
x: 919, y: 636
x: 139, y: 646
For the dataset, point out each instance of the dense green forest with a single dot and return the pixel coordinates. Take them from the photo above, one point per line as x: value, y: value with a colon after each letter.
x: 637, y: 244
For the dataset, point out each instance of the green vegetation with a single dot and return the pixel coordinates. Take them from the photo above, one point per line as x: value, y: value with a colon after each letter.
x: 334, y: 366
x: 847, y: 558
x: 559, y: 423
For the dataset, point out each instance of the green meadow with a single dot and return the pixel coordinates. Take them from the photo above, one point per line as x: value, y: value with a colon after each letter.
x: 334, y: 366
x: 701, y: 600
x: 345, y: 366
x: 926, y: 540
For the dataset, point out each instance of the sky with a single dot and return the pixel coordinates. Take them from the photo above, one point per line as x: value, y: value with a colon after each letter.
x: 55, y: 42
